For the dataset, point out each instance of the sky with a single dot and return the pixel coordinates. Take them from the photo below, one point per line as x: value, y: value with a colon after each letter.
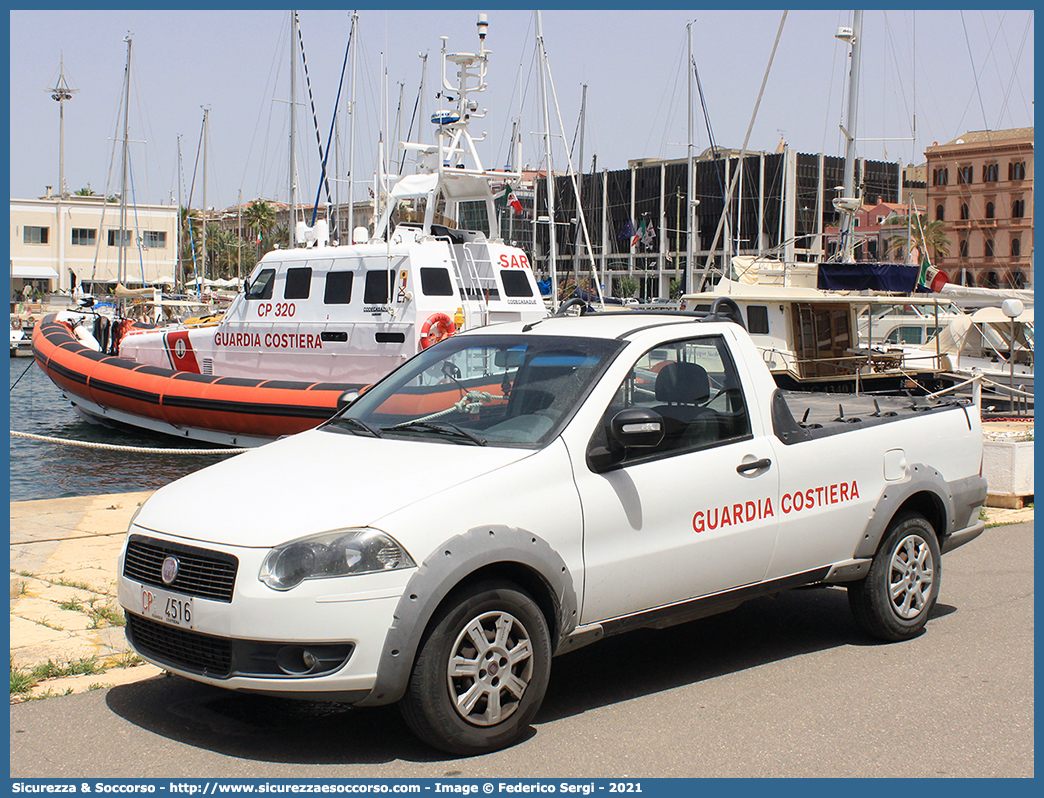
x: 952, y: 71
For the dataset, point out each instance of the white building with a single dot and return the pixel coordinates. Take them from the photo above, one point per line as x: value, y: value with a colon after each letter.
x: 59, y: 242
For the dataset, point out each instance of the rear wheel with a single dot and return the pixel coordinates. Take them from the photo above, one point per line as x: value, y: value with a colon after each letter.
x: 894, y: 599
x: 481, y: 672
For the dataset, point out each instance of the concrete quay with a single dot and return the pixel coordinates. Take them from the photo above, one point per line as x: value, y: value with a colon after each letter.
x: 63, y: 591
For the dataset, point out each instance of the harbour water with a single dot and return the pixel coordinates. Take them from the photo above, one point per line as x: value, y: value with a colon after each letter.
x: 47, y: 470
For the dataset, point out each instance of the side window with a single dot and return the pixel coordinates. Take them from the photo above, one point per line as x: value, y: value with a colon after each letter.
x: 298, y: 283
x: 338, y: 288
x: 436, y: 282
x: 376, y: 291
x: 516, y: 282
x: 262, y: 286
x: 757, y: 320
x: 693, y: 385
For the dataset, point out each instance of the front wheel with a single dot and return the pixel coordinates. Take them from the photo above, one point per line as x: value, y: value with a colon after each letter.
x: 481, y: 672
x: 894, y: 599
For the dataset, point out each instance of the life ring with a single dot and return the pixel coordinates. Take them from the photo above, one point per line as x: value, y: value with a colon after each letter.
x: 16, y: 323
x: 443, y: 328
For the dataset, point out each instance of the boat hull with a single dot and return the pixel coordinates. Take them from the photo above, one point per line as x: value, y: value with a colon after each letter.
x: 233, y: 411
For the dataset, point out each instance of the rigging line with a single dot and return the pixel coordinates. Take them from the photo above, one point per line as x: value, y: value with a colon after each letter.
x: 572, y: 178
x: 978, y: 90
x: 323, y: 180
x: 273, y: 67
x: 333, y: 124
x: 31, y: 364
x: 137, y: 229
x: 710, y: 137
x: 409, y: 132
x: 746, y: 140
x: 1014, y: 71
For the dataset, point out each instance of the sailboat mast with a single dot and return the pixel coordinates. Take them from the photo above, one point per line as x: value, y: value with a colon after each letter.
x: 122, y: 258
x: 179, y: 269
x: 550, y: 175
x: 580, y: 184
x: 203, y: 235
x: 351, y: 135
x: 690, y: 170
x: 848, y: 225
x: 293, y: 117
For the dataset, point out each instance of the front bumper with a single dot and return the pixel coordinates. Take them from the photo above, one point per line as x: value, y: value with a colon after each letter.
x: 322, y: 639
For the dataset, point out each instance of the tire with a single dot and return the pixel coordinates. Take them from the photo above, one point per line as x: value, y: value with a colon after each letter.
x: 459, y: 699
x: 894, y: 600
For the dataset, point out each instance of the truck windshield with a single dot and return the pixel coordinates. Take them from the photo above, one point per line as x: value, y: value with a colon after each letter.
x: 495, y: 390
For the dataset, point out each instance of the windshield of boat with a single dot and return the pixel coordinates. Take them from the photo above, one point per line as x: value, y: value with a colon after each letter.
x: 482, y: 390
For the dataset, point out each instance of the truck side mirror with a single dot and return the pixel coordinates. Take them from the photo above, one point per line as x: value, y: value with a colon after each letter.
x: 633, y: 428
x: 637, y: 427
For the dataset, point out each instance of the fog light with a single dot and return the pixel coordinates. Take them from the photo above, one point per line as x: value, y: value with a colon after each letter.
x: 293, y: 661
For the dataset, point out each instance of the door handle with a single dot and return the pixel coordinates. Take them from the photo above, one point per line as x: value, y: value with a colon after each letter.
x: 756, y: 465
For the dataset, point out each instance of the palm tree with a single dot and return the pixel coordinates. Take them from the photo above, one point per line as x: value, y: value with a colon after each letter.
x: 84, y: 192
x: 928, y: 237
x: 260, y: 218
x: 190, y: 241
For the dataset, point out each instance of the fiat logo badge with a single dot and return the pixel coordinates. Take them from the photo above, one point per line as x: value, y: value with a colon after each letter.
x: 169, y: 570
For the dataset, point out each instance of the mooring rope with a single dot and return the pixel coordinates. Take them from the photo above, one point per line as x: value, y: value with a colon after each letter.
x: 116, y: 448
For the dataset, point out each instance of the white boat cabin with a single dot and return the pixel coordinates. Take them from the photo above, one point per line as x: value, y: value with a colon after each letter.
x: 352, y: 313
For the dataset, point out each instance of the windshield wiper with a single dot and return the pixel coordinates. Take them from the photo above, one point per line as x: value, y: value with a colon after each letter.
x: 346, y: 420
x: 442, y: 426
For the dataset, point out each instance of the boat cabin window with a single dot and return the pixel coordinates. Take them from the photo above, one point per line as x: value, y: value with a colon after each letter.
x: 298, y: 283
x: 338, y: 288
x: 757, y: 320
x: 436, y: 282
x: 262, y: 286
x: 516, y: 282
x: 376, y: 291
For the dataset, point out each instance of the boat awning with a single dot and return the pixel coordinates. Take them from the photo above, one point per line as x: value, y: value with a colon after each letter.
x: 996, y: 316
x: 33, y: 273
x: 414, y: 186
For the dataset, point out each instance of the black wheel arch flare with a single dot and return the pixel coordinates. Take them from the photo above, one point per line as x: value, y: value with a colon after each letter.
x: 948, y: 506
x: 519, y: 556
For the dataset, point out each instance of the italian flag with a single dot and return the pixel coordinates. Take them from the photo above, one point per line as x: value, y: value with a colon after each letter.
x: 509, y: 199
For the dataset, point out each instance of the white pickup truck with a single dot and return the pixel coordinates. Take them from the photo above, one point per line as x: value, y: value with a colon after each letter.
x: 519, y: 491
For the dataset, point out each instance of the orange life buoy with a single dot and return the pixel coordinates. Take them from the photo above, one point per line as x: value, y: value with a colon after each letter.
x: 443, y: 328
x: 16, y: 323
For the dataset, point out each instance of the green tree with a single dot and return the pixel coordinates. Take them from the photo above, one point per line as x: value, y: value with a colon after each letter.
x: 279, y: 237
x: 260, y: 219
x: 83, y: 192
x: 626, y: 287
x: 928, y: 237
x: 191, y: 241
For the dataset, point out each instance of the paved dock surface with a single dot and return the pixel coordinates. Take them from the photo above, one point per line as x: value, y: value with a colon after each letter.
x: 780, y: 687
x: 63, y: 590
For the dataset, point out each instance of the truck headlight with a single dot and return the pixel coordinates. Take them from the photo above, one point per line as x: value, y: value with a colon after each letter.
x: 344, y: 552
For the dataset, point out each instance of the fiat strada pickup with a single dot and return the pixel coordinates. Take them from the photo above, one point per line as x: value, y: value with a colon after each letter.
x: 516, y: 492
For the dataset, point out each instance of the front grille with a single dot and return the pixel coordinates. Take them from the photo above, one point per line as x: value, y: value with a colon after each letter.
x: 182, y: 648
x: 207, y: 574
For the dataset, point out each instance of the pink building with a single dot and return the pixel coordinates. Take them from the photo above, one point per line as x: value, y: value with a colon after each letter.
x: 980, y: 186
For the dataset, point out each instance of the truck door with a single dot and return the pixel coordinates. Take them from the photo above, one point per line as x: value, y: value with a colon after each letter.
x: 697, y: 513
